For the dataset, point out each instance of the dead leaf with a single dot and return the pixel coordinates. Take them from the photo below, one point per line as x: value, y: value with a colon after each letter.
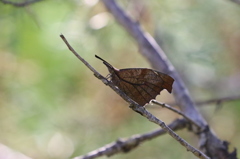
x: 140, y: 84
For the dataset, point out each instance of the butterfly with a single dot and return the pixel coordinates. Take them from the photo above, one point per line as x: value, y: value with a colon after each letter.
x: 140, y: 84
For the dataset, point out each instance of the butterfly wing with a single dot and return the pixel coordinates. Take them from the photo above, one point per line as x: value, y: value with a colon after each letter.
x: 142, y: 84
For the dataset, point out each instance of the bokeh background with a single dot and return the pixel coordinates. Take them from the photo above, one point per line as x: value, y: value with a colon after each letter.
x: 51, y: 105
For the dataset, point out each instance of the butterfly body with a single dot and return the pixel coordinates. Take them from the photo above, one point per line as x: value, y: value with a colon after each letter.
x: 140, y: 84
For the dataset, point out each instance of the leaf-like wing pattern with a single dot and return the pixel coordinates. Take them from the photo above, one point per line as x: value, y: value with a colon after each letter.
x: 140, y: 84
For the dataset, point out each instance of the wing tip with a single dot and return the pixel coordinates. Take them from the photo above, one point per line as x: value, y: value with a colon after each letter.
x: 169, y: 85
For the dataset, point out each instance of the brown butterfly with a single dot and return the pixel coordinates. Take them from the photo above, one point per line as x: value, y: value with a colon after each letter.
x: 140, y: 84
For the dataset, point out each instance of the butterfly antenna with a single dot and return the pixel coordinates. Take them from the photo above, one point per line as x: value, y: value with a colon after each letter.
x: 105, y: 62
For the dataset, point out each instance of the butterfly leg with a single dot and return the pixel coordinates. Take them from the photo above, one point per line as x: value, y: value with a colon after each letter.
x: 109, y: 76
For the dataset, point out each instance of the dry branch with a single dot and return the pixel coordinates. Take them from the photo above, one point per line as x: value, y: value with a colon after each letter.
x: 176, y: 111
x: 126, y: 145
x: 136, y: 107
x: 217, y: 101
x: 213, y: 147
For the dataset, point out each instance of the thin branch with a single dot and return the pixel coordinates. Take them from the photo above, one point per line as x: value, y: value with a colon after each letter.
x: 149, y: 48
x: 213, y: 101
x: 126, y: 145
x: 136, y: 107
x: 157, y: 58
x: 176, y: 111
x: 20, y: 4
x: 99, y: 76
x: 218, y: 100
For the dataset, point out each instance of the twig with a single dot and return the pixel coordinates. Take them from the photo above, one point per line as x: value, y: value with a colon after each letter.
x: 157, y: 58
x: 218, y: 100
x: 126, y: 145
x: 136, y: 107
x: 149, y: 48
x: 20, y: 4
x: 213, y: 101
x: 176, y: 111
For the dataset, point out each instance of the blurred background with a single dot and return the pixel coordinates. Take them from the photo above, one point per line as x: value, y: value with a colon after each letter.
x: 51, y: 105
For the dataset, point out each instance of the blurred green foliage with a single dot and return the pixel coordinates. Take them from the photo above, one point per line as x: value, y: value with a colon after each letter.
x: 51, y: 105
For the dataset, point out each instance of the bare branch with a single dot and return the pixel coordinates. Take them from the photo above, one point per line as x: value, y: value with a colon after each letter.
x: 176, y: 111
x: 149, y: 48
x: 213, y: 101
x: 157, y: 58
x: 218, y: 100
x: 20, y: 4
x: 126, y: 145
x: 136, y: 107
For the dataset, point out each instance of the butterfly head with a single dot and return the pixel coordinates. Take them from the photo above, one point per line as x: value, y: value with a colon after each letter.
x: 111, y: 69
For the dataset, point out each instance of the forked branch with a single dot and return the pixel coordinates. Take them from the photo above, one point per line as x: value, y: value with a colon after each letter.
x: 136, y: 107
x: 126, y: 145
x: 176, y: 111
x: 209, y: 142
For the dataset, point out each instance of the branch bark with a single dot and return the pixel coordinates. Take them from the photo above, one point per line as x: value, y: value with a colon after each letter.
x: 126, y: 145
x: 138, y: 108
x: 217, y: 101
x: 213, y: 147
x: 176, y: 111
